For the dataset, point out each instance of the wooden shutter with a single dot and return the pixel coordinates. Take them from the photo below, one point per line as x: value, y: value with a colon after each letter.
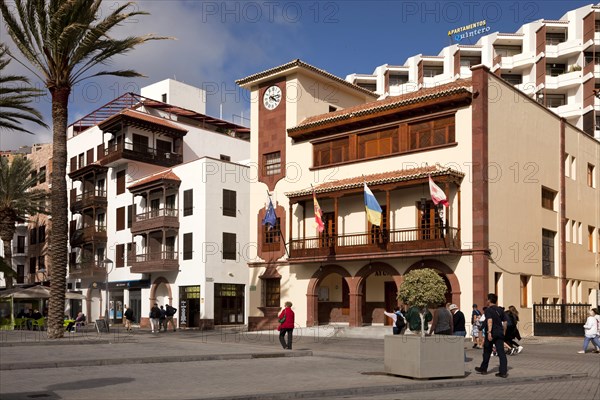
x: 188, y: 202
x: 73, y: 164
x: 188, y: 244
x: 90, y: 156
x: 229, y: 203
x: 120, y: 218
x: 120, y: 253
x: 229, y: 246
x: 121, y: 182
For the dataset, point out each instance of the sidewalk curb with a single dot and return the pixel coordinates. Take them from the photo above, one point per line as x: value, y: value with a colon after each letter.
x: 421, y: 386
x: 152, y: 360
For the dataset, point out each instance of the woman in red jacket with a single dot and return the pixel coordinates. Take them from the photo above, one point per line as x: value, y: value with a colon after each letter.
x: 286, y: 325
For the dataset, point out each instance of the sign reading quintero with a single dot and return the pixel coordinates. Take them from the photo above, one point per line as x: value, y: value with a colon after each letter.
x: 474, y: 29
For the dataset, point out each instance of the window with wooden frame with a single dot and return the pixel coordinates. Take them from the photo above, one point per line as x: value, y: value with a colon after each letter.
x: 548, y: 196
x: 430, y: 223
x: 121, y: 182
x: 42, y: 175
x: 32, y: 264
x: 548, y: 252
x: 229, y: 246
x: 434, y: 132
x: 327, y: 237
x: 377, y: 144
x: 272, y: 163
x: 33, y: 236
x: 331, y: 152
x: 188, y: 202
x: 272, y: 294
x: 272, y: 235
x: 130, y: 214
x: 42, y: 234
x: 120, y: 255
x: 120, y: 218
x: 140, y: 143
x: 188, y: 246
x: 378, y: 233
x: 229, y: 203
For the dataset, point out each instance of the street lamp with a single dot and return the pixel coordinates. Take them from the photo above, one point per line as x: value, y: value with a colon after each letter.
x: 107, y: 262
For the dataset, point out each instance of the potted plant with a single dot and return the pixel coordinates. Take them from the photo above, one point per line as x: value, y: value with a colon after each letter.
x: 423, y: 356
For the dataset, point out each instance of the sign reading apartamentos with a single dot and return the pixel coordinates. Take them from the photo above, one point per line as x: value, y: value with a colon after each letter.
x: 471, y: 30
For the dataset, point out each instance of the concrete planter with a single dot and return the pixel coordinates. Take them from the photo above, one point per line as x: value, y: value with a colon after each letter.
x: 436, y: 356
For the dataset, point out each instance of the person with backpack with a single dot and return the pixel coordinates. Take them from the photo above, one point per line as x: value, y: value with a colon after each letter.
x: 154, y: 318
x: 512, y: 332
x: 286, y: 325
x: 169, y: 313
x: 399, y: 323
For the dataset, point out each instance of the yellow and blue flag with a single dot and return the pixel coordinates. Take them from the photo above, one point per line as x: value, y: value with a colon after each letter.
x: 372, y: 207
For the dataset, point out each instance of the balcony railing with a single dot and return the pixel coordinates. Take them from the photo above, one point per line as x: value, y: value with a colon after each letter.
x: 87, y: 269
x: 87, y: 235
x: 88, y: 199
x: 139, y: 152
x: 155, y: 262
x: 164, y: 218
x: 399, y: 242
x: 19, y: 251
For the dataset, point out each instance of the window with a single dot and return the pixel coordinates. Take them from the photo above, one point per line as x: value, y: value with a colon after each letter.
x: 229, y: 203
x: 548, y: 252
x: 375, y: 144
x: 332, y: 109
x: 170, y: 206
x: 163, y: 147
x: 272, y: 293
x: 100, y: 191
x: 272, y: 236
x: 20, y: 274
x: 188, y: 246
x: 548, y: 197
x: 32, y: 263
x: 229, y: 246
x: 20, y: 244
x: 120, y: 218
x: 42, y: 175
x: 188, y: 202
x: 555, y: 69
x: 120, y: 255
x: 398, y: 79
x: 272, y: 163
x: 130, y: 214
x: 121, y: 182
x: 130, y: 253
x: 497, y: 284
x: 513, y: 79
x: 525, y: 291
x: 366, y: 85
x: 434, y: 132
x: 590, y: 238
x: 140, y: 143
x: 331, y: 152
x: 101, y: 222
x: 554, y: 38
x: 73, y: 164
x: 224, y: 157
x: 573, y: 167
x: 507, y: 51
x: 81, y: 160
x: 591, y: 182
x: 163, y: 97
x: 469, y: 61
x: 555, y: 100
x: 591, y: 58
x: 429, y: 71
x: 42, y: 234
x: 568, y: 230
x: 33, y: 236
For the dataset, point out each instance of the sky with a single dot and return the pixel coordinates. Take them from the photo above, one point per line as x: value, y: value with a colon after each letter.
x: 216, y: 42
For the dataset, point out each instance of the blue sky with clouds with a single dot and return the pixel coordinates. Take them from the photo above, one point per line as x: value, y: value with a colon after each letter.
x: 218, y: 42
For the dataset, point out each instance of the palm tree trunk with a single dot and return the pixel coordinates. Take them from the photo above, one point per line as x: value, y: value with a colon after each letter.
x: 7, y: 232
x: 58, y: 234
x: 8, y: 260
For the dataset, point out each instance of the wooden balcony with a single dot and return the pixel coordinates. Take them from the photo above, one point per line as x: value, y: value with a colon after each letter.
x: 96, y: 198
x: 164, y: 218
x: 135, y: 152
x: 155, y: 262
x: 396, y: 243
x: 89, y: 269
x: 89, y: 234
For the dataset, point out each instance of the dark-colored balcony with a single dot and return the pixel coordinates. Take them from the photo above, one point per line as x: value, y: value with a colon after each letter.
x: 95, y: 198
x: 87, y: 269
x: 368, y: 245
x: 160, y: 261
x: 164, y: 218
x: 89, y: 234
x: 137, y: 152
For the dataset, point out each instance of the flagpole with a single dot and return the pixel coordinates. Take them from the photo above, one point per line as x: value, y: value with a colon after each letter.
x: 280, y: 234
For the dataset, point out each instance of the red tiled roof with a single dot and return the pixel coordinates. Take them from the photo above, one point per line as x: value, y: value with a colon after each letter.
x: 378, y: 179
x: 458, y: 86
x: 163, y: 175
x: 143, y: 117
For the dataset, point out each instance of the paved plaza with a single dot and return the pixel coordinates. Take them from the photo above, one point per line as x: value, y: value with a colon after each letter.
x: 232, y: 364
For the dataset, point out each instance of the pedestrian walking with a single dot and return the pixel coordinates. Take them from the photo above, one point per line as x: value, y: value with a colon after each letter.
x: 442, y: 323
x: 129, y: 318
x: 169, y: 313
x: 162, y: 320
x: 286, y: 326
x: 512, y: 331
x: 458, y: 321
x: 154, y: 318
x: 591, y: 331
x: 476, y: 334
x: 495, y: 331
x: 398, y: 321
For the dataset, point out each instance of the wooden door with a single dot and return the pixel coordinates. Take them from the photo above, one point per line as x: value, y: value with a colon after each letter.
x: 327, y: 237
x: 391, y: 293
x: 429, y: 221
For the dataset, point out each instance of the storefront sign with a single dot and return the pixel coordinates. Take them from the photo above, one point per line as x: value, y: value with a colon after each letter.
x: 183, y: 313
x: 139, y: 284
x: 471, y: 30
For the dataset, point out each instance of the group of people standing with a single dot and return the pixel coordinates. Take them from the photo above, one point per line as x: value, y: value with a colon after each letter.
x: 161, y: 317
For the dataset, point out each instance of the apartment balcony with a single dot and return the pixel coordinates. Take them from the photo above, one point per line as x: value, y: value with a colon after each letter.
x: 517, y: 61
x: 165, y: 218
x: 408, y: 242
x: 19, y: 251
x: 89, y: 234
x: 95, y: 198
x: 568, y: 110
x: 114, y: 154
x: 87, y: 269
x: 564, y: 49
x: 564, y: 81
x: 161, y: 261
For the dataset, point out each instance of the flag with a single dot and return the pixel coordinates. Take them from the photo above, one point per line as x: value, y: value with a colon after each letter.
x: 437, y: 194
x: 270, y: 218
x: 372, y: 207
x: 318, y: 214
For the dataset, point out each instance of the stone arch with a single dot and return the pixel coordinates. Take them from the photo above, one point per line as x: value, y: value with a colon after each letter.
x: 154, y: 287
x: 444, y: 270
x: 313, y: 285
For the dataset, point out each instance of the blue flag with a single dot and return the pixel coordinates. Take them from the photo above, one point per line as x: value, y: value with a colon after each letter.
x: 270, y: 218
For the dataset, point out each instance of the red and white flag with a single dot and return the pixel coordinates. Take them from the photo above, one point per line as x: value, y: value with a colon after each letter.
x: 437, y: 194
x: 318, y: 214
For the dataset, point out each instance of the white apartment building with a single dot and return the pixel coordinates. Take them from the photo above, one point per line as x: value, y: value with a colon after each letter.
x: 157, y: 208
x: 557, y: 62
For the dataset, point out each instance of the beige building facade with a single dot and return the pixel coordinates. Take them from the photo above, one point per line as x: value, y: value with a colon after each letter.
x: 522, y: 186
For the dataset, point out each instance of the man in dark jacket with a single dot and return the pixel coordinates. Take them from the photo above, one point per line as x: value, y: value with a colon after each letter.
x: 458, y: 319
x: 169, y: 313
x: 495, y: 321
x: 154, y: 318
x: 128, y: 318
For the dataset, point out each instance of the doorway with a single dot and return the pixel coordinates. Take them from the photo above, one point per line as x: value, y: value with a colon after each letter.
x: 135, y: 303
x: 391, y: 299
x: 189, y: 307
x: 229, y: 304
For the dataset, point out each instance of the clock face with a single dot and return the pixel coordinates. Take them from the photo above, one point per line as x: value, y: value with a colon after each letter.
x: 272, y: 97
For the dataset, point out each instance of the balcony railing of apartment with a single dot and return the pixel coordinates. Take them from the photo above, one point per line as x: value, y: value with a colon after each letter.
x: 155, y: 262
x: 394, y: 243
x: 167, y: 218
x: 19, y: 251
x: 140, y: 152
x: 87, y: 269
x: 95, y: 197
x: 88, y: 234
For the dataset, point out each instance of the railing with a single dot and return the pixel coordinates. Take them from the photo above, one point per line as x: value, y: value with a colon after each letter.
x: 559, y: 319
x: 163, y: 212
x: 19, y: 250
x: 88, y: 233
x: 90, y: 195
x: 87, y: 268
x: 156, y: 256
x: 143, y: 153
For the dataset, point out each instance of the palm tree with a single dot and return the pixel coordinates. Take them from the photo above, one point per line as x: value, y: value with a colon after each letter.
x: 63, y: 41
x: 15, y: 96
x: 18, y: 199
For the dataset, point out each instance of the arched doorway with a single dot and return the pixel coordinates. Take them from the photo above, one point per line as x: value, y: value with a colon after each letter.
x: 447, y: 274
x: 376, y: 288
x: 328, y: 296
